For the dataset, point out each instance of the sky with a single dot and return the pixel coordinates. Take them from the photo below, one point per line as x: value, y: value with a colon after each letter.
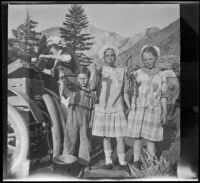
x: 123, y: 19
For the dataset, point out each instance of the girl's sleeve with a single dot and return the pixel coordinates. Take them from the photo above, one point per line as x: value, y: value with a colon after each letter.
x: 173, y: 87
x: 164, y: 89
x: 94, y: 79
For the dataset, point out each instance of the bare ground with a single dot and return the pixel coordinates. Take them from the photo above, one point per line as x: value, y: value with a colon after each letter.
x: 169, y: 148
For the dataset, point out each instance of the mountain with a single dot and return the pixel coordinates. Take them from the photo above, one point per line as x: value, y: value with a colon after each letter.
x: 103, y: 37
x: 52, y: 31
x: 131, y: 41
x: 167, y: 39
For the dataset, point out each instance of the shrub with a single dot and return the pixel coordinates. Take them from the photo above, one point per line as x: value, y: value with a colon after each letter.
x: 151, y: 167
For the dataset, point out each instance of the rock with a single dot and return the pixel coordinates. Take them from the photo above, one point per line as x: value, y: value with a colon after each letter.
x: 97, y: 173
x: 45, y: 159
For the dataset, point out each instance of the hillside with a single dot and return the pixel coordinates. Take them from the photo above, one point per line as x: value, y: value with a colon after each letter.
x: 103, y: 37
x: 52, y: 31
x: 132, y: 40
x: 168, y: 39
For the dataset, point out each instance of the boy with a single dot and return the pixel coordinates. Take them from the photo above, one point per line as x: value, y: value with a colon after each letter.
x: 79, y: 114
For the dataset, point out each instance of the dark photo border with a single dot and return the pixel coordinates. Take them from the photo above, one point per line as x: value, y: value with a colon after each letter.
x: 189, y: 27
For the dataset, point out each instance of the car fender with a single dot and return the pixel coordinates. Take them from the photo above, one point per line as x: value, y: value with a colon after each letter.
x: 52, y: 93
x: 35, y: 110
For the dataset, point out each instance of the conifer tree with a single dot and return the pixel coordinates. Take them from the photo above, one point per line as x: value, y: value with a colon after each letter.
x: 24, y: 41
x: 72, y: 32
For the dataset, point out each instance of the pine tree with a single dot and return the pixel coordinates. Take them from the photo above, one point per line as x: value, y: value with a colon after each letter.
x: 72, y: 32
x: 42, y: 46
x: 24, y: 41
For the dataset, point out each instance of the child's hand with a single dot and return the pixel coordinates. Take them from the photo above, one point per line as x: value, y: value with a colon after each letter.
x: 33, y: 60
x: 90, y: 125
x: 163, y: 119
x: 128, y: 111
x: 93, y: 67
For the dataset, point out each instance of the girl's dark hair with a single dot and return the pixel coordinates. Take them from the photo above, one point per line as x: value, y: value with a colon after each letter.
x: 150, y: 49
x: 84, y: 70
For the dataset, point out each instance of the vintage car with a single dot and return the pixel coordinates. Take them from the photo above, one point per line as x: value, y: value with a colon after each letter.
x: 36, y: 120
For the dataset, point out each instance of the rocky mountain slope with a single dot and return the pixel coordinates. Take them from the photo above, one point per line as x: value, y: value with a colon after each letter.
x: 103, y: 37
x: 167, y: 39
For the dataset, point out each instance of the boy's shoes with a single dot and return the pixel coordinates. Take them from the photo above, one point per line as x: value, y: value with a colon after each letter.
x: 107, y: 166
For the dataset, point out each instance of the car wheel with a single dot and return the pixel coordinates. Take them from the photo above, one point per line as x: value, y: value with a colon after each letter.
x: 17, y: 144
x: 55, y: 124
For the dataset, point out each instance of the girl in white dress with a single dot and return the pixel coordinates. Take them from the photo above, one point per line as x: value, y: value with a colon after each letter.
x: 109, y: 116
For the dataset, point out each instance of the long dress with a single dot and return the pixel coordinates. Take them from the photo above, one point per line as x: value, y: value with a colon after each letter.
x: 110, y: 120
x: 145, y: 117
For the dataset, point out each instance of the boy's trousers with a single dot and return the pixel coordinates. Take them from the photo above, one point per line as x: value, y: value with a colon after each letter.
x: 77, y: 122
